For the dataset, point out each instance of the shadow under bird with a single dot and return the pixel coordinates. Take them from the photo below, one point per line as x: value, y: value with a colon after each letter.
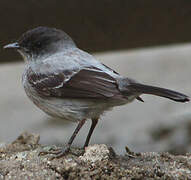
x: 68, y: 83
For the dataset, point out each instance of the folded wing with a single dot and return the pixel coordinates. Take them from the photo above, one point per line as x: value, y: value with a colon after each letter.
x: 87, y: 83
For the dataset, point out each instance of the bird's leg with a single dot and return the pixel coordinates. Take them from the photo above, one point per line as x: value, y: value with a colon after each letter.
x: 66, y: 149
x: 94, y: 123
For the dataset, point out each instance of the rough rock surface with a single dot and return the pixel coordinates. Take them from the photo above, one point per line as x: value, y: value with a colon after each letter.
x: 21, y: 160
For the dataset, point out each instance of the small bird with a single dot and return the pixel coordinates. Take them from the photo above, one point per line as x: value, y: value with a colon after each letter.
x: 66, y: 82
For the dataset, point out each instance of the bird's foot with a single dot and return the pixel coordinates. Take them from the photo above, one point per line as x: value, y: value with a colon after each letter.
x: 131, y: 154
x: 57, y: 153
x: 64, y: 151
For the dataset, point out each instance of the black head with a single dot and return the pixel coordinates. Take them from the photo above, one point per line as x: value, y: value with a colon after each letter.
x: 42, y: 41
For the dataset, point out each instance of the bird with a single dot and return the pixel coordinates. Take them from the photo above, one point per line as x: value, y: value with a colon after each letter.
x: 69, y: 83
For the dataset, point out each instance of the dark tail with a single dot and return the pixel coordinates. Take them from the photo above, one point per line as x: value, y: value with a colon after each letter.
x: 145, y: 89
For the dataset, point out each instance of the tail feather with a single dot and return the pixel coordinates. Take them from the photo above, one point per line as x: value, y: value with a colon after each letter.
x: 145, y: 89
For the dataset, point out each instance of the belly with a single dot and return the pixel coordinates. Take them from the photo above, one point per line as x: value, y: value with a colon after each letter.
x: 71, y: 109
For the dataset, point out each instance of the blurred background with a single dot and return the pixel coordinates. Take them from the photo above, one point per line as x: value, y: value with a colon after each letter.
x: 146, y: 40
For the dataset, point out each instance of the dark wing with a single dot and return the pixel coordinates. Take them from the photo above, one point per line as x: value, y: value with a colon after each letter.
x: 87, y: 83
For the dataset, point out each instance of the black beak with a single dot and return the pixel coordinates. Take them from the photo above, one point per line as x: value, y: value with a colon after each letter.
x: 12, y: 45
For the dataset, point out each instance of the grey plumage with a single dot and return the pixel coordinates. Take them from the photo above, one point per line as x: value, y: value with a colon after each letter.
x: 67, y: 82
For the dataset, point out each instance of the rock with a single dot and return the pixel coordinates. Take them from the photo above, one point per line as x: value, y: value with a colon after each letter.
x: 95, y: 153
x: 96, y: 163
x: 27, y: 138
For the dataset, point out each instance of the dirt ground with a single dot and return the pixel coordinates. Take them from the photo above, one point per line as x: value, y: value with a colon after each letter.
x: 23, y: 159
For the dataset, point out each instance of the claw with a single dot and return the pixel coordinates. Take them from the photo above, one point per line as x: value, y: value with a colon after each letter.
x: 57, y: 153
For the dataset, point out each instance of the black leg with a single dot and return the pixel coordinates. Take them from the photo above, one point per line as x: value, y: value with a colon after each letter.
x: 94, y: 123
x: 80, y: 124
x: 66, y: 149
